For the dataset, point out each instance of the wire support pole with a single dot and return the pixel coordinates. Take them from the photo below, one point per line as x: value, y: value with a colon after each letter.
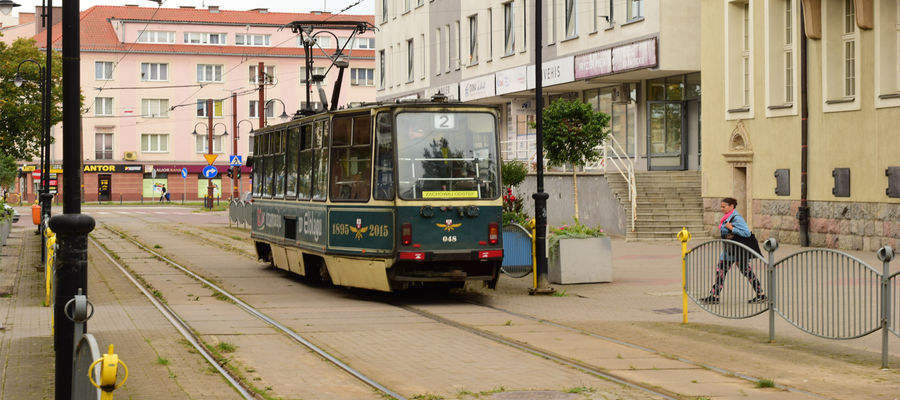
x: 540, y: 198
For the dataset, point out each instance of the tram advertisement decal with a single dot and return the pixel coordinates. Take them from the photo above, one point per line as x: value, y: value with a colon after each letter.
x: 361, y: 229
x: 269, y: 220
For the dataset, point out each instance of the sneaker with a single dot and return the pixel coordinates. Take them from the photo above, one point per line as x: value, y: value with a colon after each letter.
x: 710, y: 300
x: 758, y: 299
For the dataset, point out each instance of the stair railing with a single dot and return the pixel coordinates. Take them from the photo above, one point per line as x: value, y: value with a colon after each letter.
x: 614, y: 154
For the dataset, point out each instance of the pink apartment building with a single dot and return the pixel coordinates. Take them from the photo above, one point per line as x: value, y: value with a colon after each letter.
x: 146, y: 74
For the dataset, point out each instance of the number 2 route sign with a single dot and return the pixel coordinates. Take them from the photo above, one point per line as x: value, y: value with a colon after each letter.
x: 209, y: 172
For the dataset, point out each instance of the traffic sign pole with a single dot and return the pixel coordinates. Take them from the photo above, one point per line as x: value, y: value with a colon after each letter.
x: 209, y: 187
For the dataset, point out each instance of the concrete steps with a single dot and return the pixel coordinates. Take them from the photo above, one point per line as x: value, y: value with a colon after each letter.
x: 666, y: 202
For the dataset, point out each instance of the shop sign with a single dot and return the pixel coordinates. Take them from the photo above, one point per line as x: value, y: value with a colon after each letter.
x: 54, y: 169
x: 554, y: 72
x: 192, y: 169
x: 477, y: 88
x: 512, y: 80
x: 450, y: 90
x: 636, y: 55
x: 593, y: 64
x: 112, y: 168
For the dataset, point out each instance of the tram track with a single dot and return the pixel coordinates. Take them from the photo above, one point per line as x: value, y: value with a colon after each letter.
x: 187, y: 332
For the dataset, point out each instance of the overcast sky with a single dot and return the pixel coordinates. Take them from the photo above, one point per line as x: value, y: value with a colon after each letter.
x: 364, y: 6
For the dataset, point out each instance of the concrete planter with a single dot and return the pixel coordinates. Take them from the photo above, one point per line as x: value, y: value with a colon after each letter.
x: 5, y: 228
x: 582, y: 260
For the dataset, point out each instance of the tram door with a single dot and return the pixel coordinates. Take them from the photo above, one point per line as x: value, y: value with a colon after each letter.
x: 104, y: 186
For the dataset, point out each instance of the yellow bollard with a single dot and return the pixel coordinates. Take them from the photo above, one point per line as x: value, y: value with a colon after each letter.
x: 532, y: 225
x: 684, y: 236
x: 48, y: 268
x: 109, y: 370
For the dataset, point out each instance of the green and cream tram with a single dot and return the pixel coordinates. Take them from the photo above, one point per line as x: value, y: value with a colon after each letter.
x: 382, y: 197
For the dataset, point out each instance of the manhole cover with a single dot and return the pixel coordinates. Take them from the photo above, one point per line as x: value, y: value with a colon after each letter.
x: 536, y: 395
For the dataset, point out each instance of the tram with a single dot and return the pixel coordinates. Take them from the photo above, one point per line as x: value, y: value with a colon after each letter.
x: 382, y: 196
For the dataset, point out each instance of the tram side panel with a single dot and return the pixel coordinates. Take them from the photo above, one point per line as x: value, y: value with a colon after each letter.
x: 282, y: 231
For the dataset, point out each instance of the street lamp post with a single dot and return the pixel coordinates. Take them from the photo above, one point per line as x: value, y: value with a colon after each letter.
x: 284, y: 115
x: 45, y: 140
x: 239, y: 187
x: 209, y: 137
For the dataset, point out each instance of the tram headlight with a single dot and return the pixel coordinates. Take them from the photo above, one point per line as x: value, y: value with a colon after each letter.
x: 406, y: 233
x: 493, y: 233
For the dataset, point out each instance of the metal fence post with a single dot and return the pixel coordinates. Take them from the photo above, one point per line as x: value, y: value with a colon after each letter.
x: 771, y: 244
x: 885, y: 254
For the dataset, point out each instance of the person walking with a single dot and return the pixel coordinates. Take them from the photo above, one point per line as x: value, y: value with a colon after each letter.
x: 733, y: 227
x: 163, y: 196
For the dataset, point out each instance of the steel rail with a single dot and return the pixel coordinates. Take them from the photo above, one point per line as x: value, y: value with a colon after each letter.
x: 265, y: 318
x: 180, y: 325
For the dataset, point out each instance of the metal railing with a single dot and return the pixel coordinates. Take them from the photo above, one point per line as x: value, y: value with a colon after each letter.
x: 625, y: 166
x: 239, y: 212
x: 823, y: 292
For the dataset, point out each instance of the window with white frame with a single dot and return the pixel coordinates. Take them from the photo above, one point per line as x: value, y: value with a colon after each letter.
x: 154, y: 143
x: 509, y: 30
x: 449, y: 44
x: 571, y: 12
x: 156, y: 37
x: 205, y: 38
x: 553, y: 16
x: 887, y: 52
x: 248, y: 39
x: 202, y: 111
x: 254, y: 109
x: 103, y: 70
x: 155, y: 108
x: 202, y: 144
x: 315, y: 71
x: 739, y: 58
x: 384, y: 10
x: 840, y: 61
x: 420, y: 3
x: 788, y: 51
x: 438, y: 38
x: 269, y: 73
x: 103, y: 146
x: 848, y: 40
x: 357, y: 43
x: 381, y: 68
x: 780, y: 61
x: 103, y: 106
x: 635, y: 9
x: 362, y: 77
x: 459, y: 53
x: 154, y: 72
x: 490, y: 49
x: 209, y: 73
x: 406, y: 5
x: 410, y: 61
x: 473, y: 39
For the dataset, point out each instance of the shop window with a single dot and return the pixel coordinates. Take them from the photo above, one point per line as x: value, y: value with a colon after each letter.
x: 887, y: 53
x: 840, y: 56
x: 619, y: 102
x: 351, y: 163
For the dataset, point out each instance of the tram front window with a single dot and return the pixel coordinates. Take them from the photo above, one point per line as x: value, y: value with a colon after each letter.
x: 447, y: 155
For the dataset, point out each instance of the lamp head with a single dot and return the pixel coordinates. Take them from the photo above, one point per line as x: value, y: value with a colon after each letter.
x: 18, y: 81
x: 6, y: 6
x: 284, y: 116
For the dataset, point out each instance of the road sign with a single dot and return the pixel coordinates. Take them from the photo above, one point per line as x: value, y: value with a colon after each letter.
x: 210, y: 158
x: 184, y: 172
x: 234, y: 161
x: 210, y: 171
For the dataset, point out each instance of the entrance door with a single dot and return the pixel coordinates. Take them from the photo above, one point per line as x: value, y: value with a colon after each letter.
x: 104, y: 186
x: 666, y: 135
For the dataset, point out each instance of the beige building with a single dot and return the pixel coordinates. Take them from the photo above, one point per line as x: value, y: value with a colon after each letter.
x: 752, y: 75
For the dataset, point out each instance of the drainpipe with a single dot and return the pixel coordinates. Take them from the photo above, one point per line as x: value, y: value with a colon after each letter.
x: 803, y: 211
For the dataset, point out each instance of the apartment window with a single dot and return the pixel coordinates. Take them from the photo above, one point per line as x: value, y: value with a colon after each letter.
x: 209, y: 73
x: 449, y: 44
x: 384, y: 10
x: 739, y: 59
x: 254, y: 74
x: 473, y: 40
x: 509, y: 32
x: 315, y: 71
x: 552, y: 38
x: 405, y: 5
x: 202, y: 111
x: 362, y: 77
x: 322, y: 41
x: 154, y: 143
x: 746, y: 68
x: 635, y: 9
x: 458, y: 45
x: 103, y: 106
x: 204, y: 38
x: 788, y: 52
x: 780, y: 61
x: 356, y: 43
x: 254, y: 109
x: 849, y: 46
x: 490, y: 33
x: 155, y: 108
x: 438, y: 38
x: 571, y: 30
x: 202, y: 144
x: 156, y: 37
x: 420, y: 3
x: 154, y: 72
x: 103, y: 146
x: 381, y: 68
x: 103, y: 70
x: 246, y: 39
x: 887, y: 53
x: 410, y: 61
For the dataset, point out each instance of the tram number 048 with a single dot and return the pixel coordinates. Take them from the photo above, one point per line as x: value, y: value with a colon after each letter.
x: 449, y: 239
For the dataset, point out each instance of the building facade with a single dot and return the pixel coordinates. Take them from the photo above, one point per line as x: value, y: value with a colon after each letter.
x: 637, y: 60
x: 753, y: 125
x: 146, y: 76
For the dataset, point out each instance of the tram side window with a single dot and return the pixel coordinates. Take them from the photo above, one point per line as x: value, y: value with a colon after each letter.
x: 291, y: 153
x: 257, y: 166
x: 278, y: 176
x: 267, y: 163
x: 384, y: 157
x: 306, y: 162
x: 320, y: 172
x: 351, y: 164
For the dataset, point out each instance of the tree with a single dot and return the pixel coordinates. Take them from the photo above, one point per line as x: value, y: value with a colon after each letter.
x: 572, y: 132
x: 20, y: 107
